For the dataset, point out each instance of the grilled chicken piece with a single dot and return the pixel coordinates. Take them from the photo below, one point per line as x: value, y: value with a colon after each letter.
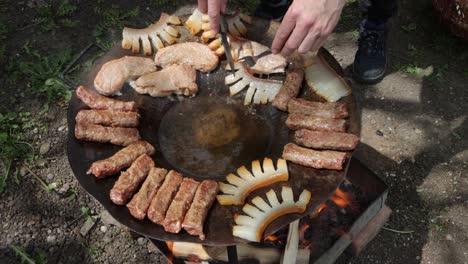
x: 113, y: 74
x: 97, y: 101
x: 273, y: 63
x: 178, y: 79
x: 151, y: 36
x: 194, y: 54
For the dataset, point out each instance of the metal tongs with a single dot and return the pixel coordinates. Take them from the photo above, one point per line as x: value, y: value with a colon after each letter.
x: 227, y: 49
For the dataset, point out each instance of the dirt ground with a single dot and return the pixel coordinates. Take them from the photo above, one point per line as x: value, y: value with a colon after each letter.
x: 414, y: 127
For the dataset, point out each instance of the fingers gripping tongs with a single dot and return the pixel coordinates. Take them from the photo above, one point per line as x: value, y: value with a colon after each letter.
x: 227, y: 49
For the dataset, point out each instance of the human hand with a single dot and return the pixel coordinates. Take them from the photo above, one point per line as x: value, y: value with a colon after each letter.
x: 213, y: 8
x: 306, y: 25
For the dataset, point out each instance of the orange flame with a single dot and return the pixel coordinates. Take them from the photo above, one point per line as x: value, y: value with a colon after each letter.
x: 271, y: 238
x: 341, y: 199
x: 170, y: 246
x: 321, y: 207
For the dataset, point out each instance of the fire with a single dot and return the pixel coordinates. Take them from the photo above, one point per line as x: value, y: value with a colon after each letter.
x: 341, y: 199
x: 321, y: 207
x: 271, y: 238
x: 170, y: 247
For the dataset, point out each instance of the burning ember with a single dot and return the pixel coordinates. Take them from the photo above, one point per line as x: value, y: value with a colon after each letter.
x: 341, y: 198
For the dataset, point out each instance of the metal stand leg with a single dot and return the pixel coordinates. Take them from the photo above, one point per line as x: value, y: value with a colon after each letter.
x: 232, y: 254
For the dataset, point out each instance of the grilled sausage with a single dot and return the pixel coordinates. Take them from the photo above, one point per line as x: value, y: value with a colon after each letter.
x: 130, y: 179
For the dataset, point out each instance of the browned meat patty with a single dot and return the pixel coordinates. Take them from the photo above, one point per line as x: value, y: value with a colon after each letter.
x: 97, y: 101
x: 202, y: 202
x: 108, y: 118
x: 325, y: 110
x: 121, y: 136
x: 139, y: 204
x: 162, y: 199
x: 130, y: 179
x: 297, y: 121
x: 179, y: 206
x: 325, y: 159
x: 326, y: 140
x: 120, y: 160
x: 290, y: 89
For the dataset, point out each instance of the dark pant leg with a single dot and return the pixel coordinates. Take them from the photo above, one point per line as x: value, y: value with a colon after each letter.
x: 378, y: 11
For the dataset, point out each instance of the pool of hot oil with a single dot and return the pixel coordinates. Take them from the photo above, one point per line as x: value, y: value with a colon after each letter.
x: 208, y: 139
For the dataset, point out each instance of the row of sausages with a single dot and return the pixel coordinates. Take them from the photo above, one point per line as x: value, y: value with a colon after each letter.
x: 109, y: 120
x: 320, y: 134
x: 167, y: 198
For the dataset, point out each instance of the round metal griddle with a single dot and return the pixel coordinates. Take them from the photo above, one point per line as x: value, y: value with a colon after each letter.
x: 206, y: 136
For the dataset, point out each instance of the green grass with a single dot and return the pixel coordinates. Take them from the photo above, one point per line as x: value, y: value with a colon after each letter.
x: 13, y: 147
x: 113, y: 18
x: 51, y: 18
x: 38, y: 258
x: 43, y: 75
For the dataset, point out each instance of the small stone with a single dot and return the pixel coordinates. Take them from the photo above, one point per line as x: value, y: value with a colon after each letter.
x: 51, y: 249
x: 51, y: 239
x: 49, y: 231
x: 61, y: 128
x: 107, y: 219
x: 379, y: 133
x: 50, y: 176
x: 417, y: 131
x: 103, y: 228
x: 449, y: 237
x: 404, y: 75
x: 141, y: 241
x: 9, y: 241
x: 23, y: 171
x: 152, y: 248
x: 45, y: 147
x: 107, y: 239
x: 87, y: 226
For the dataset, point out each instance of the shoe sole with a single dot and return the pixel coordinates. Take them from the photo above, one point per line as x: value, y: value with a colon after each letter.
x: 369, y: 81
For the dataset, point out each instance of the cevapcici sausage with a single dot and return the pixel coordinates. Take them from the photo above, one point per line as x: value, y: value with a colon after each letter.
x: 325, y: 159
x: 318, y: 109
x: 130, y: 179
x: 97, y: 101
x: 120, y: 160
x: 121, y: 136
x: 139, y: 204
x: 203, y: 200
x: 108, y: 118
x: 179, y: 206
x: 290, y: 89
x: 162, y: 199
x: 296, y: 121
x: 326, y: 140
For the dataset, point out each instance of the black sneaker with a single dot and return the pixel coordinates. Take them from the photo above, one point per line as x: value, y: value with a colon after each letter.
x: 370, y: 62
x: 272, y: 9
